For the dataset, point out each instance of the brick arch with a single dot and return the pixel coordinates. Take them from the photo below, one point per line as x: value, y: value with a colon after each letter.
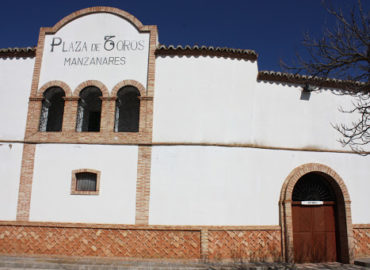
x: 83, y: 12
x: 46, y: 86
x: 343, y: 209
x: 124, y: 83
x: 98, y: 84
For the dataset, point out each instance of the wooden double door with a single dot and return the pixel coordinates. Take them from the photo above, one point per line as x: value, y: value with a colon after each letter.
x: 314, y: 232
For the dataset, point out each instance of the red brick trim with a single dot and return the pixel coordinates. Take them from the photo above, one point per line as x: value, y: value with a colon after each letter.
x: 143, y: 184
x: 151, y: 61
x: 46, y: 86
x: 74, y: 191
x: 80, y: 13
x: 25, y: 183
x: 124, y: 83
x: 344, y: 209
x: 98, y: 84
x: 204, y: 244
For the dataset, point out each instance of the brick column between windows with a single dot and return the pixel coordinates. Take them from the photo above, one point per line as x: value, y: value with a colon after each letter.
x: 70, y: 113
x: 108, y: 114
x: 33, y: 116
x: 143, y: 184
x: 25, y: 183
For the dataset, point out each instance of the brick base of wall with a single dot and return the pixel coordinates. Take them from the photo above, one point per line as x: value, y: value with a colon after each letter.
x: 139, y: 242
x: 263, y: 245
x: 361, y: 237
x: 250, y: 243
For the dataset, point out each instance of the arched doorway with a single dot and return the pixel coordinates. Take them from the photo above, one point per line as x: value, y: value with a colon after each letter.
x: 314, y: 220
x: 315, y: 216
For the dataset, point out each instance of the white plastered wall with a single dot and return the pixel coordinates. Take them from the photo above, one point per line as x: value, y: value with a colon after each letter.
x: 10, y: 169
x: 203, y: 99
x: 218, y: 100
x: 51, y: 189
x: 284, y: 117
x: 207, y: 185
x: 53, y: 65
x: 16, y: 80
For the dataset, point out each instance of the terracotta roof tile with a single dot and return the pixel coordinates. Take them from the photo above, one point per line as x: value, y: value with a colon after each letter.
x: 17, y: 52
x: 206, y: 51
x: 352, y: 86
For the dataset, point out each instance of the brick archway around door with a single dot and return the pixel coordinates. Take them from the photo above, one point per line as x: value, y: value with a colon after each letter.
x: 343, y: 210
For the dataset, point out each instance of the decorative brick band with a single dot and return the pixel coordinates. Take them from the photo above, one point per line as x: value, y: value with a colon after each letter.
x: 25, y: 183
x: 72, y: 241
x: 249, y: 245
x: 140, y: 241
x: 343, y: 210
x: 143, y: 184
x: 361, y: 241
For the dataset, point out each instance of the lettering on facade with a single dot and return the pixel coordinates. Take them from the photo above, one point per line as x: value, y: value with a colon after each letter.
x: 109, y: 43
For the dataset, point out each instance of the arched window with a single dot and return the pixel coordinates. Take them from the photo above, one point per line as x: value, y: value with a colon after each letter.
x: 313, y: 187
x: 127, y: 110
x: 89, y: 109
x: 51, y: 118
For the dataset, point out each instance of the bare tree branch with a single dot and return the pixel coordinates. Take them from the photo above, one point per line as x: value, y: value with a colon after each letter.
x: 343, y: 53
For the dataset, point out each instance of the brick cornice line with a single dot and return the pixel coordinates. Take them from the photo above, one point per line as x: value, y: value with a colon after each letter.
x: 140, y: 227
x: 36, y: 99
x: 267, y: 147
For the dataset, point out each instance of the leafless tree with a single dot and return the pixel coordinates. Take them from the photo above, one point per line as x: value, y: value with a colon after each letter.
x: 343, y: 53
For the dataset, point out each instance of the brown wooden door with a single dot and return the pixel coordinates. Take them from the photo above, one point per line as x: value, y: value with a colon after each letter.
x: 314, y: 233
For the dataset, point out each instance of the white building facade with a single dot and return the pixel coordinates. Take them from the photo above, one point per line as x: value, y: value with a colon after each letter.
x: 114, y: 146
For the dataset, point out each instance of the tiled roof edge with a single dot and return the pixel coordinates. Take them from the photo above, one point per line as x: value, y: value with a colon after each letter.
x: 346, y: 85
x: 17, y: 52
x: 206, y: 51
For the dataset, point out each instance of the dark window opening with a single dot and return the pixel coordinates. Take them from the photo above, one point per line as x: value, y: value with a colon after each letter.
x: 89, y: 110
x: 51, y: 118
x: 127, y: 110
x: 85, y: 181
x: 313, y: 187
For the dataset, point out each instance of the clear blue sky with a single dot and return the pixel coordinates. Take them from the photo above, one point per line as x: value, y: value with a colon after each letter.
x: 273, y: 28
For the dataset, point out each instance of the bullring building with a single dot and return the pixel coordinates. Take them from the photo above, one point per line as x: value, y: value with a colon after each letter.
x: 112, y: 145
